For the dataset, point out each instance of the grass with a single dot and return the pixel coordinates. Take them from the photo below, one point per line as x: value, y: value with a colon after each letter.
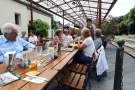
x: 125, y: 37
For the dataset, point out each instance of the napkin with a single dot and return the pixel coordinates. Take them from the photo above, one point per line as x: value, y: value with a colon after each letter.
x: 8, y: 77
x: 28, y: 73
x: 35, y: 79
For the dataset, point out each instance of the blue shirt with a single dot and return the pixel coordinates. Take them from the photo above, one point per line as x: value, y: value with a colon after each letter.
x: 97, y: 42
x: 18, y: 45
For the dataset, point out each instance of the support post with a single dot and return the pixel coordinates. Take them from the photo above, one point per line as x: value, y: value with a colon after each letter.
x: 100, y: 5
x: 31, y: 14
x: 63, y: 20
x: 119, y: 66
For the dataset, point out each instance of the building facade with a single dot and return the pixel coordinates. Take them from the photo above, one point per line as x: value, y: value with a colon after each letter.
x: 18, y: 13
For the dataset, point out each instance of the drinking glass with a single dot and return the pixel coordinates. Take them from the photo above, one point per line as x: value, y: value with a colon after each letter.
x: 9, y: 62
x: 39, y: 55
x: 32, y: 63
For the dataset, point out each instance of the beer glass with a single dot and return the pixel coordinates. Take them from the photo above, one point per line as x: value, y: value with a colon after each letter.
x: 32, y: 63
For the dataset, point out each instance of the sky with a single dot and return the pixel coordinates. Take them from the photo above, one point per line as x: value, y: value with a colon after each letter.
x: 121, y: 7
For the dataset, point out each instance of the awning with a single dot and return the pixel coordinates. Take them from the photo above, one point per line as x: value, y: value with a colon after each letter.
x: 76, y: 11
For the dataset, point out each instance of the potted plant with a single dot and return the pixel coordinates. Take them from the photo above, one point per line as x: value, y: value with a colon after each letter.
x: 41, y: 28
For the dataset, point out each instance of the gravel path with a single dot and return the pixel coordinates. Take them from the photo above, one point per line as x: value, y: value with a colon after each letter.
x: 127, y: 50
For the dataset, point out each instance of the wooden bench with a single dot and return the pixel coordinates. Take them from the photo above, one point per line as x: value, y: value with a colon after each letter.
x: 80, y: 68
x: 73, y: 80
x: 77, y: 76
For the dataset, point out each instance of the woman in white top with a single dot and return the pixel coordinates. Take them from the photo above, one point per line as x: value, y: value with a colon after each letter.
x: 87, y: 47
x: 70, y: 38
x: 33, y: 38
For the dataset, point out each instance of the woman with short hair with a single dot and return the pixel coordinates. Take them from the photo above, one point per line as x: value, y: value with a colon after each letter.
x: 33, y: 38
x: 87, y: 47
x: 98, y: 40
x: 58, y: 37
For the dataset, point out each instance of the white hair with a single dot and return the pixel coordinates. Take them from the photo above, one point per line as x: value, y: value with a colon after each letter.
x: 7, y: 28
x: 24, y: 31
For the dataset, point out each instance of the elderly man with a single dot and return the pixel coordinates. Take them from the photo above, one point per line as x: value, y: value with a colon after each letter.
x: 98, y: 40
x: 10, y: 41
x: 23, y: 35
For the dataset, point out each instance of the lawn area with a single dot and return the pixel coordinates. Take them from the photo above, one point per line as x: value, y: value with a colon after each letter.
x: 125, y: 37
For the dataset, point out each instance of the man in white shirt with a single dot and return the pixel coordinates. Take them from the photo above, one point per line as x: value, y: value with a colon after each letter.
x: 64, y: 36
x: 33, y: 38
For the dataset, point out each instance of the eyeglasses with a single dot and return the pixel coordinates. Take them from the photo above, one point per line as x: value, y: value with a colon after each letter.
x: 14, y: 33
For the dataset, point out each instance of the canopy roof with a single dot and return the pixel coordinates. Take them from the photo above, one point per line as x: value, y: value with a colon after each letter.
x: 77, y: 11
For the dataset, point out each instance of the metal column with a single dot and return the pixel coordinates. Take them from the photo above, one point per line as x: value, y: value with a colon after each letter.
x: 63, y: 20
x: 31, y: 14
x: 100, y: 5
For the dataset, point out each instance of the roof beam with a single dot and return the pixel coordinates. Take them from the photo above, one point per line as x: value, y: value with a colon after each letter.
x: 60, y: 8
x: 82, y: 9
x: 95, y: 1
x: 52, y: 11
x: 88, y: 11
x: 113, y: 3
x: 83, y: 6
x: 60, y: 4
x: 72, y: 9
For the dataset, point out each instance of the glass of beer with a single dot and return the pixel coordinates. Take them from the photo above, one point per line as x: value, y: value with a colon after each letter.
x: 32, y: 63
x: 39, y: 55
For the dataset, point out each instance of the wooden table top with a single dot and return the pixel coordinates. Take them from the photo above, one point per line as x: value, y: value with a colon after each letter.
x: 25, y: 85
x: 49, y: 71
x: 63, y: 58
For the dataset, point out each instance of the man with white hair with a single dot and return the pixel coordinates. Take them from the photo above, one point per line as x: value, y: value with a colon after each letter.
x: 10, y: 41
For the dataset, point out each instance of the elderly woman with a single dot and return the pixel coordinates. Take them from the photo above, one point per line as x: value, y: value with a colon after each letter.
x: 87, y: 47
x: 58, y: 37
x: 98, y: 40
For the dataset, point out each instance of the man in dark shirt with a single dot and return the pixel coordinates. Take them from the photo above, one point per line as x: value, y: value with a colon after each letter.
x: 90, y: 27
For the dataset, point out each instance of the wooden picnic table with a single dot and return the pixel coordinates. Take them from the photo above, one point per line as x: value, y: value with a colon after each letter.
x: 25, y: 85
x: 63, y: 58
x: 49, y: 71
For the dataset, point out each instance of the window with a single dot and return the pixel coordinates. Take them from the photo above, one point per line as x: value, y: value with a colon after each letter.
x: 17, y: 19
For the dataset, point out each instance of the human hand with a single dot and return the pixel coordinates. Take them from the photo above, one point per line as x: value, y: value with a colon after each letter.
x: 30, y: 49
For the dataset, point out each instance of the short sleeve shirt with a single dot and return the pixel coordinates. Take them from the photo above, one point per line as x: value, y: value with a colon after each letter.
x: 33, y: 39
x: 88, y: 51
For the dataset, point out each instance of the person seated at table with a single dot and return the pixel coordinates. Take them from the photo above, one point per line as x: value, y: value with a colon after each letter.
x: 98, y: 40
x: 33, y: 38
x: 87, y: 47
x: 64, y: 36
x: 58, y: 37
x: 10, y: 41
x: 23, y: 35
x: 69, y: 36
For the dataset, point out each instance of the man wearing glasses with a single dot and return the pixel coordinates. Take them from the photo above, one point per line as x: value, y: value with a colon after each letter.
x: 10, y: 41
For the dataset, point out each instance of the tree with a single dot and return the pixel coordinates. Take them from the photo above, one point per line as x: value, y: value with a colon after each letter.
x: 109, y: 26
x: 127, y: 22
x: 41, y: 27
x: 54, y: 25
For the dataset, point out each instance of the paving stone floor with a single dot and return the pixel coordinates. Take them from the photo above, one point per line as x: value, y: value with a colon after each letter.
x: 107, y: 82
